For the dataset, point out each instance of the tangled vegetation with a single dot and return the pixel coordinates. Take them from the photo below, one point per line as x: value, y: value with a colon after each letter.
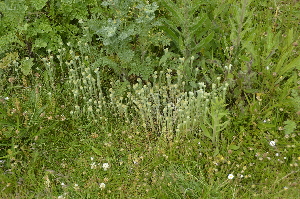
x: 149, y: 99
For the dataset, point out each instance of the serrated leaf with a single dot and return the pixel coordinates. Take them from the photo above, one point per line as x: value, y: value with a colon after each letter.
x: 38, y: 4
x: 44, y: 28
x: 289, y: 127
x: 26, y: 65
x: 40, y: 43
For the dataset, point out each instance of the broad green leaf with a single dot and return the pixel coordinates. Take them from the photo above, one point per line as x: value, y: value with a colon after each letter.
x: 195, y: 6
x: 289, y: 127
x: 164, y: 58
x: 295, y: 63
x: 172, y: 8
x: 26, y: 65
x: 216, y: 152
x: 203, y: 42
x: 205, y: 131
x: 38, y: 4
x: 171, y: 34
x: 198, y: 24
x: 97, y: 151
x: 233, y: 147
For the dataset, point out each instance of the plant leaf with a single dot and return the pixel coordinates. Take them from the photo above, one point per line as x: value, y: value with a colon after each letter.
x: 203, y: 42
x: 97, y: 151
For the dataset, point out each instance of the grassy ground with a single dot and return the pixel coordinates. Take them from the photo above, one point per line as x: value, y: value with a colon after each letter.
x: 48, y: 150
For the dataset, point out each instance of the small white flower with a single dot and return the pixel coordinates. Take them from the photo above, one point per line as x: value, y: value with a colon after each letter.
x: 93, y: 165
x: 6, y: 98
x: 90, y: 108
x: 272, y: 143
x: 76, y: 186
x: 92, y: 158
x: 105, y: 166
x: 102, y: 186
x: 230, y: 176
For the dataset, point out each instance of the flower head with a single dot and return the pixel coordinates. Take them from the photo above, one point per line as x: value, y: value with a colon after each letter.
x: 272, y: 143
x: 93, y: 165
x: 102, y: 186
x: 105, y: 166
x: 230, y: 176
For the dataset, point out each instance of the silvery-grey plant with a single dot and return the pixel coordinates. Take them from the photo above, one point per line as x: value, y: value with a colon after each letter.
x: 164, y: 106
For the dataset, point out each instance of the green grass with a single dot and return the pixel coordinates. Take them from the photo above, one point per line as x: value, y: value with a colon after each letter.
x: 58, y: 140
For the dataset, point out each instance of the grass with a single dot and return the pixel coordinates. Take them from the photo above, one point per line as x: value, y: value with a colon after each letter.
x: 76, y: 138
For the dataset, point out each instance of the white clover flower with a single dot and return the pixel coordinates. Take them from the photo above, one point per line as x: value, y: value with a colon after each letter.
x: 6, y: 98
x: 230, y: 176
x: 272, y: 143
x: 102, y: 186
x: 105, y: 166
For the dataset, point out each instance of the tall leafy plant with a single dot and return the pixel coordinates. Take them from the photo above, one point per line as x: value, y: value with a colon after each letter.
x: 265, y: 62
x: 127, y: 35
x: 188, y: 26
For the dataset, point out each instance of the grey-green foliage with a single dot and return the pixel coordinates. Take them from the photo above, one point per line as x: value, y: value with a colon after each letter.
x: 86, y: 87
x: 166, y: 108
x: 126, y: 33
x: 11, y: 16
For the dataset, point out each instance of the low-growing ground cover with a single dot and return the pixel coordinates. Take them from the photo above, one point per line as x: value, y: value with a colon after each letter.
x: 204, y: 104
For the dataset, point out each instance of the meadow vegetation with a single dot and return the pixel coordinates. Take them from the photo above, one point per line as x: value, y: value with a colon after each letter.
x: 149, y: 99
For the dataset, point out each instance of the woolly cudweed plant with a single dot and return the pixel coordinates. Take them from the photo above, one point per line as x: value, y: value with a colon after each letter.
x: 164, y: 107
x: 85, y: 83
